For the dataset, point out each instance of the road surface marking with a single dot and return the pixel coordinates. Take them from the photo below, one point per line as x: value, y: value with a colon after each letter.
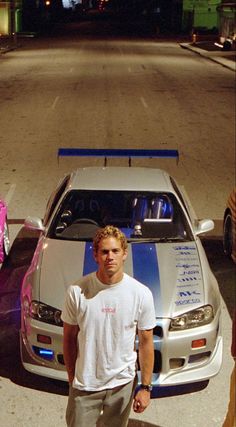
x: 10, y: 193
x: 144, y: 102
x: 55, y: 103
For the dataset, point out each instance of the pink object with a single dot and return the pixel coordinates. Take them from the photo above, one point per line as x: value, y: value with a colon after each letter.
x: 3, y: 219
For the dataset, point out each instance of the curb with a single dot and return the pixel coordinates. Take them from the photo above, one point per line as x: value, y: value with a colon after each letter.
x: 8, y: 49
x: 219, y: 60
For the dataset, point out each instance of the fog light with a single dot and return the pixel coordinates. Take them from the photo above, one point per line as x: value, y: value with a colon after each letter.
x: 176, y: 363
x: 199, y: 343
x: 44, y: 353
x: 44, y: 339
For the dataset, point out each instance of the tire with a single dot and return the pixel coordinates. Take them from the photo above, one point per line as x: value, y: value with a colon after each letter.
x: 228, y: 235
x: 227, y: 45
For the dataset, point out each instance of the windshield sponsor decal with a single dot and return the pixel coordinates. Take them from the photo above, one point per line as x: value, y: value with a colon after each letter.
x: 189, y: 273
x: 188, y: 276
x: 185, y: 250
x: 188, y: 301
x: 186, y: 285
x: 187, y: 279
x: 185, y: 254
x: 188, y: 297
x: 188, y: 293
x: 187, y: 266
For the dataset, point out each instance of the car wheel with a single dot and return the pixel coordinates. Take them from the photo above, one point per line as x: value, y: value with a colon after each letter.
x: 228, y: 235
x: 6, y: 240
x: 227, y: 45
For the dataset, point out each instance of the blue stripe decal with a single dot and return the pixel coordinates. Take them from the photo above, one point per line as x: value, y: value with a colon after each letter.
x: 90, y: 264
x: 146, y: 270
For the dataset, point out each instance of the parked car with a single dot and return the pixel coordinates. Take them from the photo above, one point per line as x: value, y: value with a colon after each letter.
x: 227, y: 25
x: 4, y: 232
x: 229, y: 227
x: 165, y: 253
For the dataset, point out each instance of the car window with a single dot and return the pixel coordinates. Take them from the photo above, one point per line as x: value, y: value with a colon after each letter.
x: 141, y: 215
x: 179, y: 195
x: 54, y: 199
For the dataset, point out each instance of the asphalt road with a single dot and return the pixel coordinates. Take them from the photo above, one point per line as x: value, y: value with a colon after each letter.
x: 92, y: 85
x: 86, y: 89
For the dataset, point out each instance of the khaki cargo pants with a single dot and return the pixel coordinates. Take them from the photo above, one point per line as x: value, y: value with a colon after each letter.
x: 106, y: 408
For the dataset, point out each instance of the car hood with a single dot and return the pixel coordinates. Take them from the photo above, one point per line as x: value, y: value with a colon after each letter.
x: 172, y: 271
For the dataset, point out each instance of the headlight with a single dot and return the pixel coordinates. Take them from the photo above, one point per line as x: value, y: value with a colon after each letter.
x: 198, y: 317
x: 45, y: 313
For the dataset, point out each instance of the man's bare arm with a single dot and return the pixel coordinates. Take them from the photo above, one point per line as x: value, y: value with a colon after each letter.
x: 70, y: 333
x: 146, y: 362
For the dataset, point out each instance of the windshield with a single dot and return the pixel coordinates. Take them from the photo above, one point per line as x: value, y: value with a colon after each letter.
x: 140, y: 215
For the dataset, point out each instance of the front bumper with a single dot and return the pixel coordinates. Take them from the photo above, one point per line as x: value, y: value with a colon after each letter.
x: 180, y: 361
x: 176, y: 362
x: 50, y: 363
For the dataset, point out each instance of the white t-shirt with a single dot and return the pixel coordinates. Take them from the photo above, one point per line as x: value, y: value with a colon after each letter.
x: 107, y: 316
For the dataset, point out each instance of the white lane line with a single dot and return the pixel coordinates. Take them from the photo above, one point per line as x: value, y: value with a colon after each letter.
x: 129, y: 69
x: 10, y: 193
x: 55, y: 103
x: 143, y: 102
x: 71, y: 70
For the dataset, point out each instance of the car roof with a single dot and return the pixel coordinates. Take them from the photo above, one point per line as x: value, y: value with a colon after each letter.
x: 120, y: 178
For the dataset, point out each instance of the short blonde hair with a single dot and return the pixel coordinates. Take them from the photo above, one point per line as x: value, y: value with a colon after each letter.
x: 109, y: 231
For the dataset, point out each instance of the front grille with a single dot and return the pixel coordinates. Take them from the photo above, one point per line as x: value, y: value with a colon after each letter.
x: 60, y: 359
x: 157, y: 362
x: 158, y: 331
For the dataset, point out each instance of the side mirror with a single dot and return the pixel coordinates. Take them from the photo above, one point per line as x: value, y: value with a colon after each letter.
x: 204, y: 226
x: 34, y: 223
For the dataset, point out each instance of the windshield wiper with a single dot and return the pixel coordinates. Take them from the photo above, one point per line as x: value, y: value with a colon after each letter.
x: 158, y: 239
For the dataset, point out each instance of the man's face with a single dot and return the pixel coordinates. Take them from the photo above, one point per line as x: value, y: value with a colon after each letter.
x: 110, y: 258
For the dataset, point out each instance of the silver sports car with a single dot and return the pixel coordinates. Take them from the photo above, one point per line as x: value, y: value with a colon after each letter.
x: 165, y: 253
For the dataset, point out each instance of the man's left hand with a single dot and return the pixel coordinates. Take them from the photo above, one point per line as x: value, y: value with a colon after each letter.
x: 141, y: 400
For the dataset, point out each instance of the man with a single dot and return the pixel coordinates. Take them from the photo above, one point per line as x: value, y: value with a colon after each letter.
x: 102, y: 313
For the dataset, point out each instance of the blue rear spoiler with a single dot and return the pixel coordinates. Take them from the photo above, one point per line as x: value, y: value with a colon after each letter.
x: 118, y: 152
